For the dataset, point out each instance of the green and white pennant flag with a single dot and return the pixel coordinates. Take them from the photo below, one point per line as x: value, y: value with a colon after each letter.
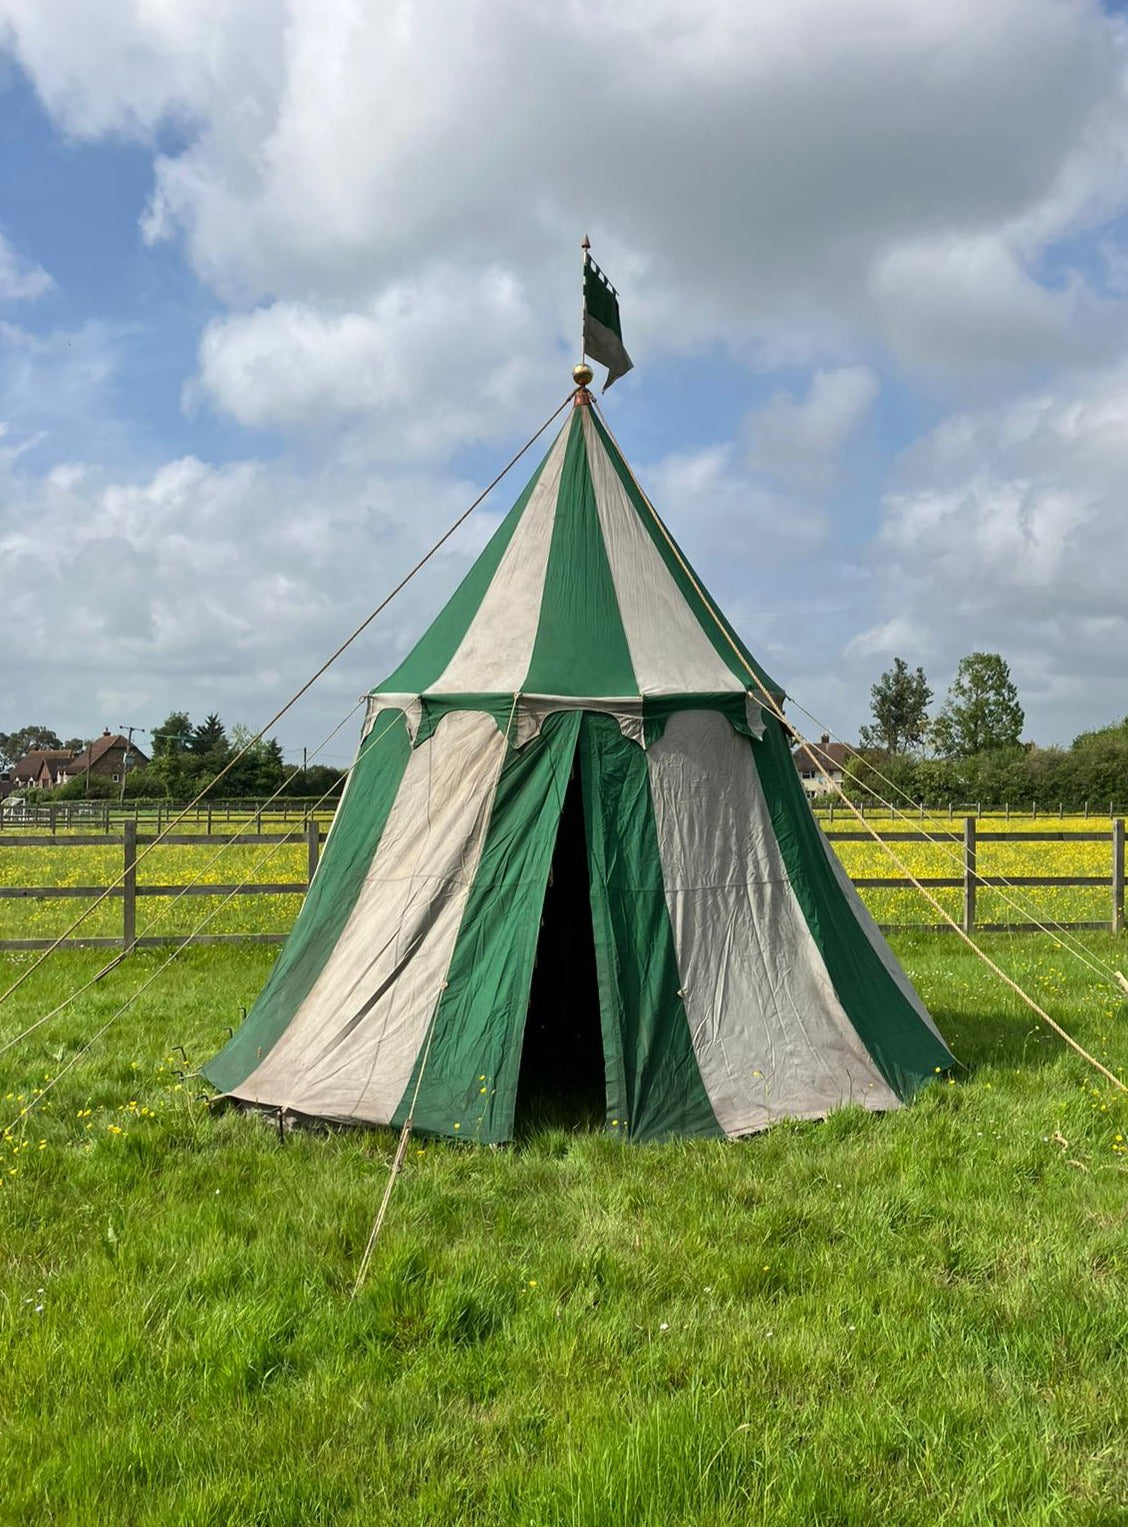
x: 603, y: 333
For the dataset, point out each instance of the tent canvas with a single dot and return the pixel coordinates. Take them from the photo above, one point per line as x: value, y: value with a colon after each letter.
x: 739, y: 977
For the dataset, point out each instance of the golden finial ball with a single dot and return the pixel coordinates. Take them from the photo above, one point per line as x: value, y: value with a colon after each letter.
x: 582, y: 374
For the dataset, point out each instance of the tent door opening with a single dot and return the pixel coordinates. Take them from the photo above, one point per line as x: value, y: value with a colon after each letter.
x: 562, y: 1079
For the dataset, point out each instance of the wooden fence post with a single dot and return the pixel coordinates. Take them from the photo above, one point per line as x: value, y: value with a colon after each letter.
x: 129, y: 884
x: 313, y: 846
x: 969, y: 875
x: 1118, y: 874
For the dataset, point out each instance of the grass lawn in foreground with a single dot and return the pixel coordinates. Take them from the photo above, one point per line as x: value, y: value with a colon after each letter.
x: 919, y: 1318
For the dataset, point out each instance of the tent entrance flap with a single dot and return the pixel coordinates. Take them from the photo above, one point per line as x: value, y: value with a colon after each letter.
x: 562, y: 1077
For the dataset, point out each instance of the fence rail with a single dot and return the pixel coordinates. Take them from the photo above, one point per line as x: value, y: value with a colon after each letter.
x: 129, y: 840
x: 825, y: 808
x: 66, y: 816
x: 970, y: 882
x: 101, y: 816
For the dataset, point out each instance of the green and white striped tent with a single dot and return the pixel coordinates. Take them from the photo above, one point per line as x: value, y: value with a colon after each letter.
x: 580, y: 768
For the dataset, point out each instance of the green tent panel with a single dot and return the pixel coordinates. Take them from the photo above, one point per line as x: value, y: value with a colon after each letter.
x: 580, y: 769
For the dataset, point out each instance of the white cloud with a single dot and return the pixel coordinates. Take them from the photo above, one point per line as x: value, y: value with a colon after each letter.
x: 898, y: 637
x: 20, y: 281
x: 730, y: 519
x: 789, y: 165
x: 126, y: 66
x: 208, y: 587
x: 799, y: 440
x: 1007, y: 534
x: 945, y: 302
x: 388, y: 200
x: 59, y: 387
x: 447, y: 356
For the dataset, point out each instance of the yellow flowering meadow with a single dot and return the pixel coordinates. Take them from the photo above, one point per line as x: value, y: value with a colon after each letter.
x: 67, y: 864
x: 1017, y: 858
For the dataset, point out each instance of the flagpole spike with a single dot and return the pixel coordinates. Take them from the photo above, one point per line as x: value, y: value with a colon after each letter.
x: 585, y: 245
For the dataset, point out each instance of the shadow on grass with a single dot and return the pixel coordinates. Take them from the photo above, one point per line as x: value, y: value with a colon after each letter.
x: 993, y: 1039
x: 572, y: 1110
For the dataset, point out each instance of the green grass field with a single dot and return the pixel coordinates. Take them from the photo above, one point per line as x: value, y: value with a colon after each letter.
x: 917, y: 1318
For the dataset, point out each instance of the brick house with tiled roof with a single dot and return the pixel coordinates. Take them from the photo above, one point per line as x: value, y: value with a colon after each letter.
x: 831, y: 756
x: 105, y: 759
x: 40, y: 768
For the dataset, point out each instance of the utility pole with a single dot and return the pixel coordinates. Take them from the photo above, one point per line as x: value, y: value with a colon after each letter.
x: 128, y: 755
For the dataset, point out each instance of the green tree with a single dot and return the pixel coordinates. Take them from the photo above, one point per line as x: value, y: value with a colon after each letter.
x: 148, y: 783
x: 173, y: 768
x: 888, y: 776
x: 95, y: 788
x: 981, y: 713
x: 1116, y: 733
x: 899, y: 702
x: 13, y: 745
x: 209, y: 739
x: 1098, y: 763
x: 173, y: 735
x: 260, y: 770
x: 314, y: 781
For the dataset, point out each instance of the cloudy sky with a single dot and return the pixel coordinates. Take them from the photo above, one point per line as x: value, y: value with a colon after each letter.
x: 284, y: 282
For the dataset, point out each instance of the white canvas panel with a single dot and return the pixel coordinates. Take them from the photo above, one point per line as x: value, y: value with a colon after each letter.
x: 350, y: 1048
x: 769, y: 1033
x: 754, y: 715
x: 670, y: 653
x: 380, y: 705
x: 494, y: 654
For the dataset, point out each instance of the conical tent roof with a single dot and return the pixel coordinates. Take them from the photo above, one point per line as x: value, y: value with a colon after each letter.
x: 740, y: 978
x: 581, y: 595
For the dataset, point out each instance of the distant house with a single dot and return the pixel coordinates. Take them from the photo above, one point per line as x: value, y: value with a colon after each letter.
x: 105, y: 758
x: 813, y: 758
x: 41, y: 768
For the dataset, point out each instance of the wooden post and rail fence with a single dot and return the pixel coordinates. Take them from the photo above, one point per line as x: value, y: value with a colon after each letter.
x: 103, y: 816
x: 970, y: 882
x: 130, y: 841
